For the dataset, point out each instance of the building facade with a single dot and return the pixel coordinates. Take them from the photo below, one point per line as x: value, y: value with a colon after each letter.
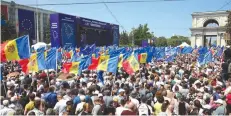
x: 208, y: 28
x: 43, y: 17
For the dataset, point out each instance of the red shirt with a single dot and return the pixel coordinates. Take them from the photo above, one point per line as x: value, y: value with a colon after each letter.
x: 127, y: 112
x: 228, y: 98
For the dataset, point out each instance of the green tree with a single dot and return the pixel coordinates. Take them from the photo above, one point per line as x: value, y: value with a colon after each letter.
x: 124, y: 38
x: 161, y: 41
x: 142, y: 32
x: 8, y: 31
x: 177, y: 40
x: 228, y: 27
x: 47, y: 38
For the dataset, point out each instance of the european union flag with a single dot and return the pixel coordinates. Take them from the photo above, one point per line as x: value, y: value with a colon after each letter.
x: 100, y: 76
x: 51, y: 59
x: 219, y: 52
x: 26, y: 23
x: 203, y: 50
x: 170, y: 58
x: 186, y: 50
x: 208, y: 57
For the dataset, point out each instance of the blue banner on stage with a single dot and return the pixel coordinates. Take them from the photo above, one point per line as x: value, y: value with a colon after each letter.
x: 26, y: 23
x: 92, y: 23
x: 116, y: 34
x: 68, y: 30
x: 55, y: 31
x: 63, y: 30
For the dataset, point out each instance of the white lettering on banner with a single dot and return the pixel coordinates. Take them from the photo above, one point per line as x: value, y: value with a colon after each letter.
x: 85, y: 20
x: 54, y: 25
x: 68, y: 19
x: 95, y: 25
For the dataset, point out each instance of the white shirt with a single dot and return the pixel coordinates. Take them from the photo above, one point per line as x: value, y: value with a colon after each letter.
x: 143, y: 109
x: 7, y: 111
x: 79, y: 107
x: 119, y: 110
x: 66, y: 97
x: 135, y: 101
x: 60, y: 107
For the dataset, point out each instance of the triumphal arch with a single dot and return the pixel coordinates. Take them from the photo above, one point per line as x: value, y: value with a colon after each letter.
x: 208, y: 28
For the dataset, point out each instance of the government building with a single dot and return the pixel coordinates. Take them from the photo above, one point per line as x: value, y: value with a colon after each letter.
x: 10, y: 12
x: 209, y: 28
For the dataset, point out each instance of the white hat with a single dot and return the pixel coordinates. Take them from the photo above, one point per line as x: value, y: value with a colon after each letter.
x: 5, y: 102
x: 9, y: 84
x: 96, y: 92
x: 82, y: 98
x: 219, y: 101
x: 100, y: 95
x: 37, y: 99
x: 121, y: 90
x: 13, y: 99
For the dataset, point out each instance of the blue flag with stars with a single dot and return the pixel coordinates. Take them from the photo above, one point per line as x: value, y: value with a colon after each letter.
x: 26, y: 23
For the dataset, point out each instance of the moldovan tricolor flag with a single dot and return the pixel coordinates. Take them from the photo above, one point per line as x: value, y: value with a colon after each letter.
x: 72, y: 67
x: 120, y: 62
x: 94, y: 63
x: 142, y: 57
x: 16, y: 49
x: 108, y: 64
x: 37, y: 62
x: 131, y: 65
x: 122, y: 57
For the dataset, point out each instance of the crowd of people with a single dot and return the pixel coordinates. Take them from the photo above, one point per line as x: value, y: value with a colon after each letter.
x: 181, y: 87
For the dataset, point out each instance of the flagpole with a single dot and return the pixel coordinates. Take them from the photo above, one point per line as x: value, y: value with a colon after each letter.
x: 29, y: 44
x: 56, y: 70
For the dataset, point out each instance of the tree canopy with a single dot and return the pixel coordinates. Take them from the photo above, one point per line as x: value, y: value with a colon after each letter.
x: 177, y: 40
x: 142, y: 32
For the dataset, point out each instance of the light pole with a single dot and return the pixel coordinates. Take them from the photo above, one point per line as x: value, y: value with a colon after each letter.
x: 132, y: 39
x: 37, y: 30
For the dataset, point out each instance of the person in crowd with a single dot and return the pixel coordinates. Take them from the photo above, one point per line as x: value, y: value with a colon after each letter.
x: 36, y: 110
x: 158, y: 104
x: 179, y: 87
x: 30, y: 105
x: 144, y: 108
x: 87, y: 109
x: 164, y: 108
x: 121, y: 107
x: 220, y: 110
x: 79, y: 108
x: 133, y: 99
x: 130, y: 109
x: 228, y: 103
x: 60, y: 106
x: 50, y: 98
x: 6, y: 110
x: 97, y: 109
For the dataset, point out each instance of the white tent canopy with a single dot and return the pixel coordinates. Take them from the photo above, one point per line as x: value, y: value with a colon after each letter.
x: 39, y: 45
x: 184, y: 44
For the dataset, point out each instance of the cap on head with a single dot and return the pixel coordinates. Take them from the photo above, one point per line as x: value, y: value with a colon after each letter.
x: 5, y: 102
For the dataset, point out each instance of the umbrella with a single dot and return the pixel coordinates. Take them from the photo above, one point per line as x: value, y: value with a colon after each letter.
x: 39, y: 45
x: 13, y: 74
x: 65, y: 76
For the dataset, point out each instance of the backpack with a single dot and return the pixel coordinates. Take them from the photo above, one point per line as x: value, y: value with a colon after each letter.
x: 140, y: 112
x: 50, y: 102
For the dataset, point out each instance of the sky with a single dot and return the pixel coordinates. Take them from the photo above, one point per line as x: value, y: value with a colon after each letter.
x: 164, y: 18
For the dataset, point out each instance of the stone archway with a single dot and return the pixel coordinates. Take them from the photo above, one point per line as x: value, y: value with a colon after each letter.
x: 208, y: 28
